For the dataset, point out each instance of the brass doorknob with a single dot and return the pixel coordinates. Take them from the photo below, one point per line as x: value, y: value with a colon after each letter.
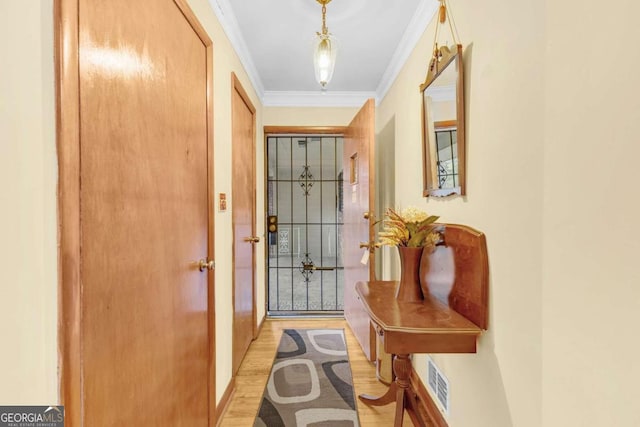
x: 371, y: 245
x: 252, y: 239
x: 203, y: 264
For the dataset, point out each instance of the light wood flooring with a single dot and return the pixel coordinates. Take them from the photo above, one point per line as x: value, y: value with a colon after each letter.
x: 254, y: 372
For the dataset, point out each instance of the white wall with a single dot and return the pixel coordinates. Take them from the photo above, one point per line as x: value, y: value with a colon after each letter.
x: 591, y: 292
x: 28, y: 230
x: 504, y: 47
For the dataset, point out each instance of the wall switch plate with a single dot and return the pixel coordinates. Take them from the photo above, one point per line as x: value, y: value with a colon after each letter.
x: 222, y: 202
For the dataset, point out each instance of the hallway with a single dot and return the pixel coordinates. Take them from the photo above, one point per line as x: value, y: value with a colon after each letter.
x: 255, y: 368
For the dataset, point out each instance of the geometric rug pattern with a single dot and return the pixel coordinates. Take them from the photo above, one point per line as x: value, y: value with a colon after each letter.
x: 310, y: 383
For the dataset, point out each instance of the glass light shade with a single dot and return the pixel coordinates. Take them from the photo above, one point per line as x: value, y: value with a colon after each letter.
x: 324, y: 58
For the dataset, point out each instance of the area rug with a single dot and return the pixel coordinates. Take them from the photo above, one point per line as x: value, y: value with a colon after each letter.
x: 310, y: 382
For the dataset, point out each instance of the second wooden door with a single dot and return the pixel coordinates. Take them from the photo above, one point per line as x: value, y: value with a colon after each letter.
x: 244, y: 214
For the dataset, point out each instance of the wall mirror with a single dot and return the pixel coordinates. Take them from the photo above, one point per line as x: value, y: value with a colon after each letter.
x: 443, y: 133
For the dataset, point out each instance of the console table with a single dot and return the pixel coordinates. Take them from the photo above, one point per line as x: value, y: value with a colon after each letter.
x: 448, y: 320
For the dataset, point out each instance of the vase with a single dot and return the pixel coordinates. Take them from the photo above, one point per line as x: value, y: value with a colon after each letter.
x: 409, y: 289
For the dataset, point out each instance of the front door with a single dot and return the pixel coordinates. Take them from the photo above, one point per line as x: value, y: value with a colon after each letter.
x: 144, y: 167
x: 305, y: 211
x: 244, y: 223
x: 358, y: 159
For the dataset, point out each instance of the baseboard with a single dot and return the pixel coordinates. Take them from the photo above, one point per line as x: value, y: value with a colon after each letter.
x: 426, y: 406
x: 224, y: 401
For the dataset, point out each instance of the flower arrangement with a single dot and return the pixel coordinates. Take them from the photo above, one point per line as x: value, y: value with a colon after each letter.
x: 410, y: 227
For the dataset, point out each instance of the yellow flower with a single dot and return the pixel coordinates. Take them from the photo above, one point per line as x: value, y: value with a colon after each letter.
x: 411, y: 227
x: 413, y: 214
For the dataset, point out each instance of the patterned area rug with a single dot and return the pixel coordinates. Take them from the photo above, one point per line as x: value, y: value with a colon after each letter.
x: 310, y: 382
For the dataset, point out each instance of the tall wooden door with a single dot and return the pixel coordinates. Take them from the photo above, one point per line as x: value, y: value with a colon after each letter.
x: 244, y: 223
x: 144, y: 326
x: 358, y: 161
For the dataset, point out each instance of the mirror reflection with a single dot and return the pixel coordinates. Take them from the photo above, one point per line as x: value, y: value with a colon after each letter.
x: 443, y: 125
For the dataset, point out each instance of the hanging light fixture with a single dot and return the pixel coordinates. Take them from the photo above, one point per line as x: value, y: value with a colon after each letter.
x: 326, y: 47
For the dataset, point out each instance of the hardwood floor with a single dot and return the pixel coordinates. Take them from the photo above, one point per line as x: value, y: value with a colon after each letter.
x: 254, y: 372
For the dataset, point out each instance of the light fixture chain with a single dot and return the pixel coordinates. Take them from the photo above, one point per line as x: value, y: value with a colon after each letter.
x: 324, y: 19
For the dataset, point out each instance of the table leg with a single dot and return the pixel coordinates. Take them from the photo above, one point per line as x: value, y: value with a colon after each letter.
x: 398, y: 390
x: 385, y: 399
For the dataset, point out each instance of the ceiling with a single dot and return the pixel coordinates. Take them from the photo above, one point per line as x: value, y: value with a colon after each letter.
x: 274, y: 40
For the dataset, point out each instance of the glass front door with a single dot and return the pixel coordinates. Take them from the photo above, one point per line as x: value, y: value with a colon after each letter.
x: 304, y: 197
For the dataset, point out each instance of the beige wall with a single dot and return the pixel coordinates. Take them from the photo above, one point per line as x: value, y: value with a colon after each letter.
x: 504, y: 44
x: 591, y: 239
x: 28, y: 179
x: 550, y: 181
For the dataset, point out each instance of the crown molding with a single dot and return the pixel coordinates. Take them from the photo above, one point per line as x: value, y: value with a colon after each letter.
x: 412, y: 34
x: 227, y: 19
x: 315, y: 98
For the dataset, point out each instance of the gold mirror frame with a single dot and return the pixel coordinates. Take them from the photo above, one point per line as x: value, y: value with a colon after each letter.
x: 446, y: 56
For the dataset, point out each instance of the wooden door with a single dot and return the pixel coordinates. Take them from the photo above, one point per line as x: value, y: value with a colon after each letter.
x: 358, y: 161
x: 244, y: 223
x: 143, y: 329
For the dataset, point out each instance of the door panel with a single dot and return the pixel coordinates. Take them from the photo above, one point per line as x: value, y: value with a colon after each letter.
x: 358, y: 160
x: 144, y: 201
x: 244, y: 213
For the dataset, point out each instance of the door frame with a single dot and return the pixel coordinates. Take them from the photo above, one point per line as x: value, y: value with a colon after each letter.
x: 67, y: 78
x: 284, y: 130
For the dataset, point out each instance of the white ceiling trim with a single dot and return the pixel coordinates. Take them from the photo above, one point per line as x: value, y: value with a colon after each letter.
x: 315, y: 99
x: 227, y: 19
x: 412, y: 34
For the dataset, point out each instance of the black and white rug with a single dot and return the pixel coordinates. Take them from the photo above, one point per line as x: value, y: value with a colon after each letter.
x: 310, y: 382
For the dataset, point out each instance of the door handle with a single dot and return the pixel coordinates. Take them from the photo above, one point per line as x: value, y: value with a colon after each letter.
x: 203, y: 264
x: 311, y: 267
x: 252, y: 239
x: 371, y: 245
x: 371, y: 218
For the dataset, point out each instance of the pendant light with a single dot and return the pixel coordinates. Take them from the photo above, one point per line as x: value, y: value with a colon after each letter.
x: 326, y: 47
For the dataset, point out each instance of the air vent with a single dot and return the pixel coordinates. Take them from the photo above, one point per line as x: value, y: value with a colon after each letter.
x: 439, y: 385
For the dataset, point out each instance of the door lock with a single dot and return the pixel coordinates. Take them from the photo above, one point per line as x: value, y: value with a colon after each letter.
x: 272, y: 223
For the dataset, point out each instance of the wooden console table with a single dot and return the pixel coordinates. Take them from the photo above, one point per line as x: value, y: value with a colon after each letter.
x: 449, y: 320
